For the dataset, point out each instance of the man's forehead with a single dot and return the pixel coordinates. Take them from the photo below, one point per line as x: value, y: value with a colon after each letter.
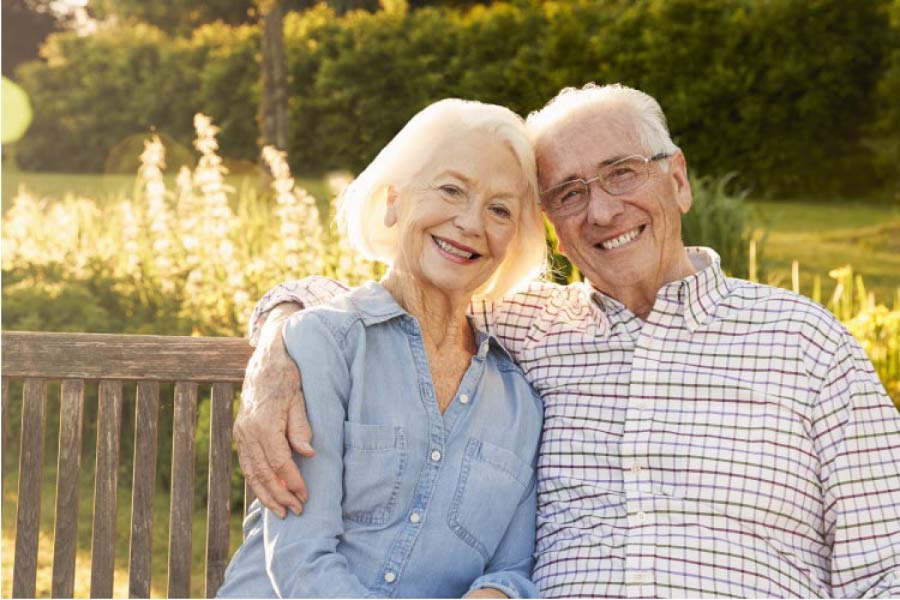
x: 585, y: 140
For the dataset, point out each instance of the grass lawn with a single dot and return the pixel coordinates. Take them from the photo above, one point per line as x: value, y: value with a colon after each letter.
x: 109, y: 188
x: 822, y: 236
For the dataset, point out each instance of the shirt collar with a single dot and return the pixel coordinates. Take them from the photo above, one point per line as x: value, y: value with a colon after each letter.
x: 375, y: 304
x: 697, y: 295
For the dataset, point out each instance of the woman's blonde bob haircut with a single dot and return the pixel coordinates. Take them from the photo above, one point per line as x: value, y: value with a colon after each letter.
x: 362, y: 206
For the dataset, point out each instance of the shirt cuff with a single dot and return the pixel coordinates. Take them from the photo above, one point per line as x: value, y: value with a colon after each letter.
x: 514, y: 585
x: 307, y: 292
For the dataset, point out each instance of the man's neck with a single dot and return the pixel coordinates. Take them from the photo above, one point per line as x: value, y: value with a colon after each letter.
x: 641, y: 297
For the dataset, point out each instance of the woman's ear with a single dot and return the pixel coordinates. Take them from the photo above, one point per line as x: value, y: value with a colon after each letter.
x: 390, y: 213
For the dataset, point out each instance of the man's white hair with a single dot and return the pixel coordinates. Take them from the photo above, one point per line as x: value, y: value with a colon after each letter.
x: 649, y: 117
x: 362, y: 206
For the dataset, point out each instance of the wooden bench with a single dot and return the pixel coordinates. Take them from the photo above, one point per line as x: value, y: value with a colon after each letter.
x: 112, y: 360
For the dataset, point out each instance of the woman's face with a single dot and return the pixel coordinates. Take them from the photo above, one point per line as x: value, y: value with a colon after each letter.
x: 458, y: 214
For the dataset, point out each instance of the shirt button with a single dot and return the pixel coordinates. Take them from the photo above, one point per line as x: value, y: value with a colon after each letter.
x: 464, y: 398
x: 639, y: 518
x: 635, y: 468
x: 642, y: 405
x: 415, y: 517
x: 638, y: 577
x: 390, y: 577
x: 435, y: 455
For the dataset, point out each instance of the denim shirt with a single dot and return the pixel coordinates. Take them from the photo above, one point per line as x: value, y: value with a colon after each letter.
x: 403, y: 501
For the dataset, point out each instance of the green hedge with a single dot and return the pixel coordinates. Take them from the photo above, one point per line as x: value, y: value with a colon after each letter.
x: 785, y: 92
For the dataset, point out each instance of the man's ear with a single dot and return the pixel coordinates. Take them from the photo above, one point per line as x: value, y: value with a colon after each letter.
x: 678, y: 171
x: 390, y: 213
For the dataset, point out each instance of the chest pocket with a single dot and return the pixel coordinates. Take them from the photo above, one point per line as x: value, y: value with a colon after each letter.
x: 491, y: 484
x: 374, y: 460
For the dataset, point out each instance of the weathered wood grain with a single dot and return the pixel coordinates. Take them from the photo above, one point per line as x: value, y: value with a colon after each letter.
x: 31, y: 469
x: 103, y: 543
x: 146, y: 427
x: 179, y: 584
x: 125, y: 357
x: 219, y: 503
x: 65, y: 540
x: 5, y: 429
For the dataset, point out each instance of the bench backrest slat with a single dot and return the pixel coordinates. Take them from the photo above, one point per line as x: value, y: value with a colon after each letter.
x: 146, y: 428
x: 125, y: 357
x: 106, y: 482
x: 182, y: 498
x: 31, y: 470
x: 219, y: 503
x: 65, y: 537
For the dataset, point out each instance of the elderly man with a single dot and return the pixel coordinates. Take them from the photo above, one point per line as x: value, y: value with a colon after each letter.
x: 703, y: 435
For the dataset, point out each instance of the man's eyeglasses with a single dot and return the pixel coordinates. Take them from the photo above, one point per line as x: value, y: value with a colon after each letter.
x: 623, y: 176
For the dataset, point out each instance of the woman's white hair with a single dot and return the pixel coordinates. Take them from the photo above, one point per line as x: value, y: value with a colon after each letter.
x: 362, y: 206
x: 649, y: 117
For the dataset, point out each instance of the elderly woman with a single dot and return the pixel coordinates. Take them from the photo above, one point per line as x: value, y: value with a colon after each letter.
x: 427, y: 432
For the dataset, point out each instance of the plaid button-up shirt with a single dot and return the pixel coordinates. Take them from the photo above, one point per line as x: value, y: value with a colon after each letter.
x: 735, y: 443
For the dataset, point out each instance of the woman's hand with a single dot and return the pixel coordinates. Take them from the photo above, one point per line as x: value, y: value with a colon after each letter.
x: 272, y: 420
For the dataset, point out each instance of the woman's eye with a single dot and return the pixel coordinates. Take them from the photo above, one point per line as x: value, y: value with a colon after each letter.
x: 451, y: 190
x: 501, y: 211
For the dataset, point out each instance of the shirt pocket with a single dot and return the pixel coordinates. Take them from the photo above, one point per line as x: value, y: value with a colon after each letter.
x: 491, y: 484
x: 374, y: 461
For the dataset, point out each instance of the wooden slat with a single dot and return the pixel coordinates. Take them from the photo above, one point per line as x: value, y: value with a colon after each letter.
x: 65, y: 539
x: 179, y: 585
x: 103, y: 543
x: 219, y: 503
x: 31, y: 469
x: 125, y: 357
x: 4, y: 430
x: 146, y: 427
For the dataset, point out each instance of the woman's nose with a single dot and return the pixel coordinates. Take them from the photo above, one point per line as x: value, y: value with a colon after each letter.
x: 470, y: 219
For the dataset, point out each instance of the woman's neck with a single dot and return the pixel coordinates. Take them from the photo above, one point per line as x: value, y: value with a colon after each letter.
x: 441, y: 315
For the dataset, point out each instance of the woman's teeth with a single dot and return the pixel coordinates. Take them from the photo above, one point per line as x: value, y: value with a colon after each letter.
x: 453, y: 249
x: 622, y: 239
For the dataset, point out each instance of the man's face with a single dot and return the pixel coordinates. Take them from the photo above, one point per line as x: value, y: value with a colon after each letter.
x: 624, y: 241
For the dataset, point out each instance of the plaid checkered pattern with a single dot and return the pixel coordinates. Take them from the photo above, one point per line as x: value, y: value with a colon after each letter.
x: 736, y: 443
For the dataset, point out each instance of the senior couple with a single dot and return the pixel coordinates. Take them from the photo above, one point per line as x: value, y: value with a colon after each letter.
x: 660, y: 430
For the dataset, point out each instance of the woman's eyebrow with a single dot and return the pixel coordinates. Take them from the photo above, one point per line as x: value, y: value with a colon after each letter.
x: 454, y: 174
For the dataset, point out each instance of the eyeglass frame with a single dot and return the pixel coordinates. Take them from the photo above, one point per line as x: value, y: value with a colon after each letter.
x: 587, y: 182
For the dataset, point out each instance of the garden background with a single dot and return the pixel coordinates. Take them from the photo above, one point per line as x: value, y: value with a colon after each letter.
x: 139, y: 201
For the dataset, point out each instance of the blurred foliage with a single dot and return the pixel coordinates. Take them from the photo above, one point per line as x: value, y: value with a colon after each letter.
x: 793, y: 95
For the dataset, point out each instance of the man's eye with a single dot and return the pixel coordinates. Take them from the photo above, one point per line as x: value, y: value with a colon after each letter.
x: 569, y: 195
x: 621, y: 174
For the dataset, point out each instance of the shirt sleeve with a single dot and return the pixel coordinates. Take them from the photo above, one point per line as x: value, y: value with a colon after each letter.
x: 301, y: 551
x: 510, y: 568
x: 309, y: 292
x: 856, y: 429
x: 514, y: 319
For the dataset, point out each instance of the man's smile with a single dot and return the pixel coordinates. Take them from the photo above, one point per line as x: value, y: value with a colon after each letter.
x: 621, y: 239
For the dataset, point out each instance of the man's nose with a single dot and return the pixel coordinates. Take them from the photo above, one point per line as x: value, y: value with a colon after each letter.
x: 603, y: 207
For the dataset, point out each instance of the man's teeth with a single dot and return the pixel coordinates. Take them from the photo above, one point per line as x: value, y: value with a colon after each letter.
x: 453, y: 249
x: 622, y: 239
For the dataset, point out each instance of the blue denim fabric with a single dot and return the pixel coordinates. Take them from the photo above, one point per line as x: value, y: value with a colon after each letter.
x: 403, y: 501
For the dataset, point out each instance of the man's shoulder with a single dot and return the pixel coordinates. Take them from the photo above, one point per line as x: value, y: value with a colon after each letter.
x: 762, y: 304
